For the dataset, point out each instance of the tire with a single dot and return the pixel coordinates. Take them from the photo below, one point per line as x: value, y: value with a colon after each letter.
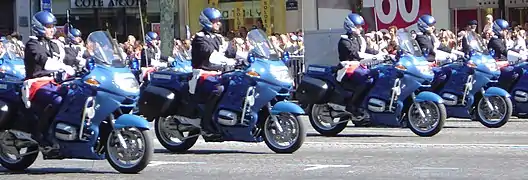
x: 503, y: 121
x: 142, y: 162
x: 441, y: 116
x: 171, y: 146
x: 300, y: 133
x: 325, y: 131
x: 24, y: 163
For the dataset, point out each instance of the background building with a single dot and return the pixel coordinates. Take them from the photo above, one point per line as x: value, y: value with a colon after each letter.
x: 329, y: 14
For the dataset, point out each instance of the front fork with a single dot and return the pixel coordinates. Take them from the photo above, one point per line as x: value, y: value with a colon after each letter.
x: 486, y: 100
x: 274, y: 118
x: 468, y: 87
x: 418, y: 106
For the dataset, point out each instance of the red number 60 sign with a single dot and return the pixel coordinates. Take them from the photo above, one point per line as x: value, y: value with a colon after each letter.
x: 400, y: 13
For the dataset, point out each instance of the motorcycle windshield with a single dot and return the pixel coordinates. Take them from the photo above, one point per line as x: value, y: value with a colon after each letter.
x: 11, y: 51
x: 260, y: 46
x: 105, y: 50
x: 408, y: 44
x: 475, y: 42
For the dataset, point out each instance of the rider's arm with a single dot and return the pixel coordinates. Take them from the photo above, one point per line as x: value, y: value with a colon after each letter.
x: 347, y: 51
x: 34, y: 51
x: 498, y: 46
x: 423, y: 42
x: 71, y: 57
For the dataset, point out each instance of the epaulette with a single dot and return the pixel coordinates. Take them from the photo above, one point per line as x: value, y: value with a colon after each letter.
x: 201, y: 34
x: 33, y: 37
x: 344, y: 36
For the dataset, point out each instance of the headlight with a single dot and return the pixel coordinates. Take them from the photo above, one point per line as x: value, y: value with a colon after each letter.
x: 127, y: 82
x: 492, y: 66
x: 426, y: 69
x: 281, y: 73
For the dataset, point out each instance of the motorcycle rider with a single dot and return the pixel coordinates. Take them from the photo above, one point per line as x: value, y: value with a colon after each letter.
x: 471, y: 28
x: 210, y: 55
x: 151, y: 55
x: 428, y: 41
x: 41, y: 59
x: 76, y: 53
x: 352, y: 47
x: 498, y: 44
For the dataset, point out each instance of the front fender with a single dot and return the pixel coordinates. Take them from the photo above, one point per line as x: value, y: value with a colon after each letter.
x: 495, y: 91
x: 129, y: 120
x: 286, y: 106
x: 429, y: 96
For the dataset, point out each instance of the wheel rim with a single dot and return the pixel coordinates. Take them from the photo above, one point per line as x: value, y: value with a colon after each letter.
x: 170, y: 135
x: 431, y: 120
x: 489, y: 116
x: 132, y: 155
x: 322, y: 117
x: 9, y: 157
x: 290, y: 131
x: 10, y: 154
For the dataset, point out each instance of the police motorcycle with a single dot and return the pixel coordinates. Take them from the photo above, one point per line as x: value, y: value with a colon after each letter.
x: 518, y: 85
x: 467, y: 92
x: 90, y: 123
x: 252, y: 108
x: 13, y: 65
x: 393, y: 99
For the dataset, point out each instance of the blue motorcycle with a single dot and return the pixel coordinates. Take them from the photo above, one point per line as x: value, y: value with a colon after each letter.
x: 393, y: 98
x: 517, y: 85
x: 467, y: 92
x: 13, y: 66
x: 252, y: 108
x: 90, y: 122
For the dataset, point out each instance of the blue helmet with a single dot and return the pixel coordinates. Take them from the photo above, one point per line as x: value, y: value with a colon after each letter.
x: 425, y: 21
x: 151, y: 36
x: 499, y: 25
x: 207, y: 17
x: 72, y: 34
x: 353, y: 21
x: 40, y: 20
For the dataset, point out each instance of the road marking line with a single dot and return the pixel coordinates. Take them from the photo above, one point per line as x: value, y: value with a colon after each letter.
x: 322, y: 166
x: 420, y: 144
x: 435, y: 168
x: 157, y: 163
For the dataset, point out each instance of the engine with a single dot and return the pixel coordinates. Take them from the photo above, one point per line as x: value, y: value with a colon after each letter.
x: 521, y: 96
x: 66, y: 132
x: 450, y: 99
x: 376, y: 105
x: 227, y: 118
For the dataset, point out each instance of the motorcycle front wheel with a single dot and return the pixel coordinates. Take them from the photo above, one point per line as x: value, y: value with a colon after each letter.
x: 430, y: 122
x: 129, y: 150
x: 286, y: 135
x: 501, y: 113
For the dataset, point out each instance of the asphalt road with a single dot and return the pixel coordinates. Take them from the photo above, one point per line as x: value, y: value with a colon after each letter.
x: 463, y: 150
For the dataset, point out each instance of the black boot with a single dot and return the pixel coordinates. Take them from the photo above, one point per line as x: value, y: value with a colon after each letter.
x: 355, y: 101
x: 210, y: 133
x: 48, y: 146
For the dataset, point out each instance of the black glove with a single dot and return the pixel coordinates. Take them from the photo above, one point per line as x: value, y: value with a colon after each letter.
x: 241, y: 64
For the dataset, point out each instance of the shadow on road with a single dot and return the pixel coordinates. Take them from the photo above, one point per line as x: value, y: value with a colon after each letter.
x: 355, y: 135
x: 207, y: 152
x: 47, y: 171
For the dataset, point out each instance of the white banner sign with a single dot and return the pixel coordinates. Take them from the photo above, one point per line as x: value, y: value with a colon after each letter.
x: 103, y: 3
